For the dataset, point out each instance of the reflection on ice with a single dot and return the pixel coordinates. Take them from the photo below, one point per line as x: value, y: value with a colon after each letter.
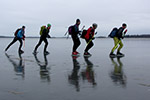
x: 18, y: 65
x: 71, y: 78
x: 117, y: 74
x: 88, y: 73
x: 78, y: 76
x: 44, y: 71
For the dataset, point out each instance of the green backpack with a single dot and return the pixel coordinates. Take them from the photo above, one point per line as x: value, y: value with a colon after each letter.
x: 42, y: 28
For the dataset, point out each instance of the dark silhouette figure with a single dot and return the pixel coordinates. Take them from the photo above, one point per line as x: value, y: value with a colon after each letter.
x: 18, y: 67
x: 44, y: 71
x: 117, y: 74
x: 74, y: 77
x: 75, y: 38
x: 88, y: 73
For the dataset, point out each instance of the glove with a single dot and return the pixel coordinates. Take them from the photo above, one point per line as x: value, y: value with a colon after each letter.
x: 48, y: 36
x: 80, y: 33
x: 23, y: 38
x: 93, y: 38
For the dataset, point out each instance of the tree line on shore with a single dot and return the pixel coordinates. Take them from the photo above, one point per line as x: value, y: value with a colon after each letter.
x: 126, y: 36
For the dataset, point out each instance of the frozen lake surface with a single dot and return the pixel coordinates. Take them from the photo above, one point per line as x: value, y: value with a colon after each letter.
x: 58, y: 76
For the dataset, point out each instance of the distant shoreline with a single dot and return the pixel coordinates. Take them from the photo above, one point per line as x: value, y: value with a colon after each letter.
x: 127, y: 36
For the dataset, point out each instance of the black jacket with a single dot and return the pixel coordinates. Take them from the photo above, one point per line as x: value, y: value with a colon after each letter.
x: 75, y: 30
x: 120, y: 33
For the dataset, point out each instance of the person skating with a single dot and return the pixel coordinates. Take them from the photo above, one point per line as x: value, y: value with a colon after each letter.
x: 117, y: 40
x: 44, y: 35
x: 19, y: 35
x: 75, y: 38
x: 88, y: 38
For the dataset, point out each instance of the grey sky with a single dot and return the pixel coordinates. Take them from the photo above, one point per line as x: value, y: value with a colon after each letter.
x: 62, y: 13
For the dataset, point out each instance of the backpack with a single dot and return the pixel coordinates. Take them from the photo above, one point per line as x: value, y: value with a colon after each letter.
x: 42, y: 28
x: 84, y: 32
x: 15, y: 34
x: 19, y: 34
x: 113, y: 33
x: 70, y: 30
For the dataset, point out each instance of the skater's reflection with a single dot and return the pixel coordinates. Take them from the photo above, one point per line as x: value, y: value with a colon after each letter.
x: 44, y: 71
x: 88, y: 73
x: 77, y: 75
x: 18, y: 67
x: 74, y: 77
x: 117, y: 74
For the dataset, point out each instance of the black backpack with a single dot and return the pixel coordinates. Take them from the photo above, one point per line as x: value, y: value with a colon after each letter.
x: 113, y: 33
x: 84, y: 32
x: 15, y: 34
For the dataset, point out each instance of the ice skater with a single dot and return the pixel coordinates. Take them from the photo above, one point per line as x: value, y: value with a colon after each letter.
x: 89, y: 36
x: 19, y: 36
x: 44, y: 34
x: 75, y: 38
x: 117, y: 35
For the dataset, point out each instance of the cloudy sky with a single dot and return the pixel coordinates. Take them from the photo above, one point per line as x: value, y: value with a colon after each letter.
x: 63, y: 13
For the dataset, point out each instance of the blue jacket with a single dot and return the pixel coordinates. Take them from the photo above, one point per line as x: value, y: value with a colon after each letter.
x: 20, y: 34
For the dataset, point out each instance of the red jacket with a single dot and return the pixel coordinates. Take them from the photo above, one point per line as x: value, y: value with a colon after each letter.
x: 90, y: 33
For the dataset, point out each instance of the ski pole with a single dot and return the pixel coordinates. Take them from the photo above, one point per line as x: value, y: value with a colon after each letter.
x: 117, y: 43
x: 65, y: 33
x: 91, y: 38
x: 90, y: 41
x: 68, y: 36
x: 82, y: 28
x: 80, y: 32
